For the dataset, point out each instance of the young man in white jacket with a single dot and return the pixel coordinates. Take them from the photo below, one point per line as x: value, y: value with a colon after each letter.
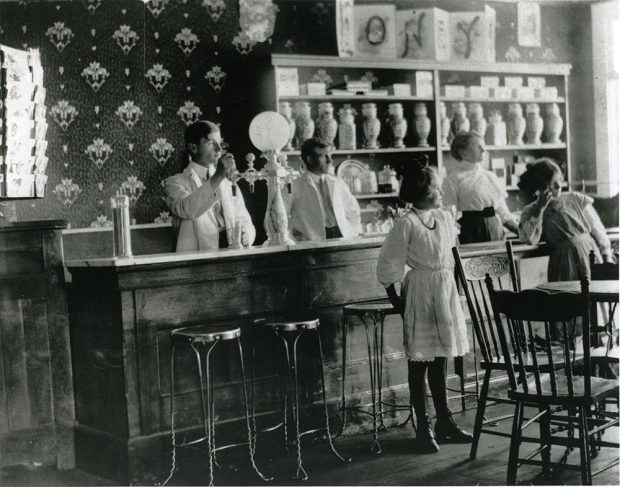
x: 320, y: 205
x: 205, y: 212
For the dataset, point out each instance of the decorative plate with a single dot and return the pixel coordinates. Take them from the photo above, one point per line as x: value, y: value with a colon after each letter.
x: 350, y: 168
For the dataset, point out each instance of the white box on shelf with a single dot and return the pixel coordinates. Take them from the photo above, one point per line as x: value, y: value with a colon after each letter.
x: 472, y: 35
x: 400, y: 89
x: 478, y: 92
x: 287, y: 82
x: 454, y: 91
x: 550, y: 92
x: 375, y: 31
x: 498, y: 166
x: 489, y: 81
x: 502, y: 92
x: 525, y: 92
x: 312, y: 89
x: 536, y: 82
x: 513, y: 81
x: 424, y: 83
x: 423, y: 33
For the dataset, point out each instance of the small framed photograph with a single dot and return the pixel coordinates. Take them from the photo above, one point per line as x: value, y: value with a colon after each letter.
x: 375, y: 31
x: 528, y: 24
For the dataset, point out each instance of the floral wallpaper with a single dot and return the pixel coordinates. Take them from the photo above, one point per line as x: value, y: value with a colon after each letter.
x: 124, y: 78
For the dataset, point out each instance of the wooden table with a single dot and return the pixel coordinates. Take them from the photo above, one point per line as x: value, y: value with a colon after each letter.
x: 600, y: 291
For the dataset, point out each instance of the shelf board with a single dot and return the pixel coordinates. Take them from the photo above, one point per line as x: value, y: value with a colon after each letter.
x: 292, y: 60
x: 497, y: 100
x: 518, y: 147
x: 389, y: 150
x: 375, y: 196
x: 355, y: 98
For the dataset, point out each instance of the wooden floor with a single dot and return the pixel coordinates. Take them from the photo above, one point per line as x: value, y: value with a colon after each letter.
x: 399, y: 464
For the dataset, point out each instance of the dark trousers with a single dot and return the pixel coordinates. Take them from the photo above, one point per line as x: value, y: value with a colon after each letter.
x: 333, y: 232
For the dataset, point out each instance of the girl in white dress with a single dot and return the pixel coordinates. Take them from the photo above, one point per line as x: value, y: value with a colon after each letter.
x: 433, y: 320
x: 477, y: 193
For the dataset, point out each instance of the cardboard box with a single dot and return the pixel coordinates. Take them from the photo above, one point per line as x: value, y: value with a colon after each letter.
x: 312, y: 89
x: 502, y: 93
x: 424, y: 83
x: 423, y: 33
x: 400, y: 89
x: 513, y: 81
x: 525, y: 92
x: 536, y: 82
x: 454, y: 91
x: 375, y: 31
x: 472, y: 35
x: 287, y: 81
x: 550, y: 92
x: 489, y: 81
x: 478, y: 92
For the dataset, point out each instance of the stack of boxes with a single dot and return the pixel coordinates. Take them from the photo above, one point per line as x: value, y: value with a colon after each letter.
x: 22, y: 124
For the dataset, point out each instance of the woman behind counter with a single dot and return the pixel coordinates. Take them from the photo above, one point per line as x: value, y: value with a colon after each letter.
x: 568, y: 222
x: 476, y: 193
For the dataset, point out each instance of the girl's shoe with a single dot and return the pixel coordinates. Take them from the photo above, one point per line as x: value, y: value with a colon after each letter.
x: 447, y: 431
x: 425, y: 438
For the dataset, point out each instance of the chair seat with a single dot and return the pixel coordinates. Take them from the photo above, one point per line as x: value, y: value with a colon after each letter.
x: 543, y: 361
x: 359, y: 309
x: 284, y: 323
x: 600, y: 389
x: 205, y: 333
x: 602, y: 354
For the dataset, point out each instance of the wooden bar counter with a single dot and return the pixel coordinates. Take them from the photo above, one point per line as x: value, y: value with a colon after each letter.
x: 122, y: 310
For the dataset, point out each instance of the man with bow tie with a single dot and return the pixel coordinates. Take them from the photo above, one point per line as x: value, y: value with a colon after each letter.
x: 320, y: 205
x: 205, y: 211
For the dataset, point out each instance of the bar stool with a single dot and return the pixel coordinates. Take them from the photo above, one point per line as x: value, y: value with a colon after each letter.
x: 206, y: 338
x: 372, y: 316
x: 290, y: 331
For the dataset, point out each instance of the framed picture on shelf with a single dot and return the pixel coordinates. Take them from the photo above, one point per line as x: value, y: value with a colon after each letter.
x: 528, y: 24
x: 375, y: 31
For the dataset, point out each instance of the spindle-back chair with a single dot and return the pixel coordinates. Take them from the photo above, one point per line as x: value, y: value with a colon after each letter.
x: 470, y: 273
x: 543, y: 385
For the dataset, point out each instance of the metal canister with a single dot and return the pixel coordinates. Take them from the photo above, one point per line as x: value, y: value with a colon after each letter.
x: 121, y: 230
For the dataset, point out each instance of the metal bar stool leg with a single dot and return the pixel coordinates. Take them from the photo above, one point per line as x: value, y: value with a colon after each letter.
x: 329, y: 436
x: 173, y: 459
x: 375, y: 448
x: 285, y: 382
x: 300, y: 474
x: 210, y: 412
x: 343, y: 407
x: 378, y: 336
x: 251, y: 435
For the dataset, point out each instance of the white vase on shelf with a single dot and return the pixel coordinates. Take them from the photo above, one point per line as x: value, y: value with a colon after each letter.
x: 372, y: 126
x: 346, y: 130
x: 286, y: 111
x: 326, y: 125
x: 422, y: 124
x: 516, y: 124
x: 496, y: 130
x: 460, y: 122
x: 553, y: 124
x: 477, y: 123
x: 533, y: 124
x: 304, y: 124
x: 398, y: 124
x: 445, y: 124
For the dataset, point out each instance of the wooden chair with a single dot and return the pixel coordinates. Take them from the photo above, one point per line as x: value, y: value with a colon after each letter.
x: 470, y: 275
x: 606, y: 323
x: 544, y: 388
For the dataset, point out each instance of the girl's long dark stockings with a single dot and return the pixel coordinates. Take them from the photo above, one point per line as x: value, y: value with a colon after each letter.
x: 436, y: 382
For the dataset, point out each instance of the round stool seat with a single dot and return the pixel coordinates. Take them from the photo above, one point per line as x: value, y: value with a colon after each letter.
x: 365, y: 308
x: 205, y: 333
x: 288, y: 324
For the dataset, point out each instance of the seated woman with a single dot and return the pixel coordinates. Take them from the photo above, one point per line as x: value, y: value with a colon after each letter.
x: 567, y: 222
x: 476, y: 193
